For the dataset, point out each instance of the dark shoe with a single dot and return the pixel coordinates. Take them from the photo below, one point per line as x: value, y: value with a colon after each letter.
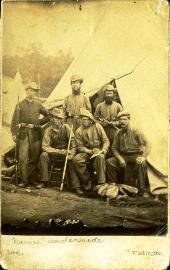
x: 78, y: 191
x: 146, y: 195
x: 41, y: 185
x: 88, y: 186
x: 22, y: 185
x: 143, y: 194
x: 35, y: 183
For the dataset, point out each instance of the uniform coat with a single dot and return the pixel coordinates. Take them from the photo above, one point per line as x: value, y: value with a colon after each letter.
x: 93, y: 137
x: 109, y: 113
x: 26, y: 113
x: 54, y: 141
x: 128, y: 144
x: 72, y: 105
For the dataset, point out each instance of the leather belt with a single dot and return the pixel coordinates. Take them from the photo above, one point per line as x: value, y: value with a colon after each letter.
x: 132, y: 153
x: 24, y: 125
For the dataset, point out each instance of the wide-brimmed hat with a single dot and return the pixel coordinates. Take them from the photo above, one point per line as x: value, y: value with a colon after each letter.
x: 76, y: 77
x: 123, y: 113
x: 32, y: 85
x: 86, y: 113
x: 108, y: 87
x: 58, y: 113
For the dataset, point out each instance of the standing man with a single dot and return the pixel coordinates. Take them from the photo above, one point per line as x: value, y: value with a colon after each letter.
x: 54, y: 146
x: 26, y: 118
x: 130, y: 150
x: 106, y: 112
x: 92, y: 143
x: 74, y: 102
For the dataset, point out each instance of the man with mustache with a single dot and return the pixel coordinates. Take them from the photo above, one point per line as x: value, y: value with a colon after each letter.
x: 107, y: 111
x: 130, y: 150
x: 74, y: 102
x: 54, y: 146
x: 26, y: 118
x: 92, y: 144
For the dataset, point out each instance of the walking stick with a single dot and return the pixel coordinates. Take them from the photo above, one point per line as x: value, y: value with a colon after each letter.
x: 66, y: 160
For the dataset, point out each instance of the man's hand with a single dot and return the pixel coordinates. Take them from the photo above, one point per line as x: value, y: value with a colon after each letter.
x: 140, y: 160
x: 105, y: 124
x: 61, y: 152
x: 102, y: 122
x: 70, y: 157
x: 64, y: 152
x: 104, y: 151
x: 114, y: 124
x: 14, y: 138
x: 122, y: 163
x: 89, y: 151
x: 96, y: 151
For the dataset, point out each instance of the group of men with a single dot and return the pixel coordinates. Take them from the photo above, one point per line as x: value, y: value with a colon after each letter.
x: 117, y: 151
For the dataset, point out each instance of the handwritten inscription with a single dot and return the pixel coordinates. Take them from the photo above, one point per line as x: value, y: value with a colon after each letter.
x: 59, y: 240
x: 75, y: 240
x: 146, y: 253
x: 25, y: 242
x: 14, y: 252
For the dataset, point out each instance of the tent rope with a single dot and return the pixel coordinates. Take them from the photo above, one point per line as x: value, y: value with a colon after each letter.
x: 138, y: 63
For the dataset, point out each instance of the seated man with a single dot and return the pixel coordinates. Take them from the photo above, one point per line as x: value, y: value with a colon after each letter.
x: 92, y: 143
x: 130, y: 149
x: 54, y: 145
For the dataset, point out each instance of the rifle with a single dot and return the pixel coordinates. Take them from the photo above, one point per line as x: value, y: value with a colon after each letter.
x: 16, y: 157
x: 106, y: 121
x: 66, y: 159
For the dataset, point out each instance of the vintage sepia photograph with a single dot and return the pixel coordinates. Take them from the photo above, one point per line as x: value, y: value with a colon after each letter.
x: 84, y: 136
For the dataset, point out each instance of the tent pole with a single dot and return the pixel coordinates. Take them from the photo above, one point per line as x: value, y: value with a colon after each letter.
x: 113, y: 82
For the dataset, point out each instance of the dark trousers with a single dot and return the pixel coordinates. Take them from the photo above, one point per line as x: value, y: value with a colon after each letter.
x: 45, y: 160
x: 80, y: 166
x: 110, y: 132
x: 29, y: 152
x: 134, y: 174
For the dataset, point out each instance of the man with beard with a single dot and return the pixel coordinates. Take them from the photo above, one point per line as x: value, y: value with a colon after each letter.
x: 107, y: 111
x: 130, y: 150
x: 92, y: 144
x: 26, y: 117
x: 54, y: 146
x: 74, y: 102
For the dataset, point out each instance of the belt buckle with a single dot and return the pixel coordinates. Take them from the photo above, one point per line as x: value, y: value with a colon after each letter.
x: 30, y: 126
x: 23, y: 125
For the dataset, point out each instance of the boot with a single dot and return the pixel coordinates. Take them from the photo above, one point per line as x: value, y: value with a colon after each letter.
x: 78, y: 191
x: 41, y: 185
x: 22, y: 185
x: 88, y: 186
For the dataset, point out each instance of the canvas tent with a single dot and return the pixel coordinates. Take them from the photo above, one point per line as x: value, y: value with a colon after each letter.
x: 116, y: 46
x: 12, y: 91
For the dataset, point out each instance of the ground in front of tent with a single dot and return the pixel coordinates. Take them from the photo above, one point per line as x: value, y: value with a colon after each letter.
x: 46, y: 212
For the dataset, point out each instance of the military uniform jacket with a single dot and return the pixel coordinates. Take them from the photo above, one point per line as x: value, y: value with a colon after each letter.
x: 107, y: 111
x: 73, y: 104
x: 91, y: 137
x: 58, y: 139
x: 129, y: 142
x: 28, y: 113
